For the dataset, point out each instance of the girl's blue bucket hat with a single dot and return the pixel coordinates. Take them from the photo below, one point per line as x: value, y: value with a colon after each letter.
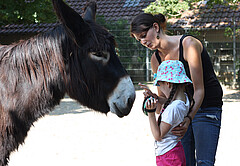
x: 171, y: 71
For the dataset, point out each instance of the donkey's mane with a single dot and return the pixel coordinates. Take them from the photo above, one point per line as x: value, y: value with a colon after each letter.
x: 38, y: 52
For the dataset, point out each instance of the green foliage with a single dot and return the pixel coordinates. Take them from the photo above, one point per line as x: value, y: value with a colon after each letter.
x: 26, y: 11
x: 194, y: 32
x: 232, y: 2
x: 175, y: 8
x: 170, y: 8
x: 229, y: 32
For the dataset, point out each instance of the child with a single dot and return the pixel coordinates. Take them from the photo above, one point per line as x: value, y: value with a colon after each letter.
x: 172, y: 79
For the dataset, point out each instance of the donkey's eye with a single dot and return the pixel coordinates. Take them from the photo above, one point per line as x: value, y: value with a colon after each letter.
x: 100, y: 56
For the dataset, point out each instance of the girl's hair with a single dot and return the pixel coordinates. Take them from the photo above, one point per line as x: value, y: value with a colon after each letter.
x: 172, y: 93
x: 144, y: 22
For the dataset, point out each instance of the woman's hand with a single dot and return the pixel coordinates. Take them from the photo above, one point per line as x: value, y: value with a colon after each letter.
x: 181, y: 129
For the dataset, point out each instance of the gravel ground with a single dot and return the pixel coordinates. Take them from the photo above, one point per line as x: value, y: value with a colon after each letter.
x: 73, y: 135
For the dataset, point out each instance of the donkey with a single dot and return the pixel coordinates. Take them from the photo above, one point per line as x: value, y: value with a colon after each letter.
x: 76, y: 58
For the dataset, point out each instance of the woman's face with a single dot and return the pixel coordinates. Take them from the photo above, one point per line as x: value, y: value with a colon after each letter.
x: 148, y: 38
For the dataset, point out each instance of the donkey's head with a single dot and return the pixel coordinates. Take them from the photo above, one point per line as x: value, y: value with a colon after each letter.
x: 95, y: 76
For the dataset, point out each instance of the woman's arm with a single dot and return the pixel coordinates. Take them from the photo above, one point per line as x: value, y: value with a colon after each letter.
x: 193, y: 57
x: 192, y: 54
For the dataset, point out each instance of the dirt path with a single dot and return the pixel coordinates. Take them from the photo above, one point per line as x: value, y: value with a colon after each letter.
x: 73, y: 135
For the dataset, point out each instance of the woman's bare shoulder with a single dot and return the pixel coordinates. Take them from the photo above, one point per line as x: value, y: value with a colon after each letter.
x: 191, y: 41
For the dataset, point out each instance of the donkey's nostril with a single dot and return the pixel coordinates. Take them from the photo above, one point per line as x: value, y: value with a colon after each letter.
x: 130, y: 102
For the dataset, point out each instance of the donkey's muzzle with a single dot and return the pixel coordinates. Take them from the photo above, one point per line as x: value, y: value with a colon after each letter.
x: 122, y: 98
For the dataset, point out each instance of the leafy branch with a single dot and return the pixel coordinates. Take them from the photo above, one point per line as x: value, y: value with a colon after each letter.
x: 26, y: 12
x: 170, y: 8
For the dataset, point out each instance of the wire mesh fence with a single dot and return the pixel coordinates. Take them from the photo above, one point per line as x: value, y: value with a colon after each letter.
x: 133, y: 56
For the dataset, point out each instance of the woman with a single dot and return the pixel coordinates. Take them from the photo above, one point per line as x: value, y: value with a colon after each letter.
x: 203, y: 133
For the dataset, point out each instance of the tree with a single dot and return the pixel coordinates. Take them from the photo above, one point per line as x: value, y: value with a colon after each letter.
x: 175, y: 8
x: 170, y: 8
x: 26, y: 11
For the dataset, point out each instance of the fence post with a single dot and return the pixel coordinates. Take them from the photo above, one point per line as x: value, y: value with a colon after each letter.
x: 147, y: 64
x: 234, y: 50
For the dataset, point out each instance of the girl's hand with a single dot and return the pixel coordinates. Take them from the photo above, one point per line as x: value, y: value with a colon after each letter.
x: 143, y: 86
x: 161, y: 99
x: 151, y: 103
x: 181, y: 129
x: 147, y: 91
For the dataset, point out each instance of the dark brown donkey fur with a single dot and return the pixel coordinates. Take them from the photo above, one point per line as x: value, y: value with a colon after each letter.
x: 76, y: 58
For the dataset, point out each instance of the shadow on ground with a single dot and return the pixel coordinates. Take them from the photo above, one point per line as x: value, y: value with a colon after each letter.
x: 69, y: 106
x: 232, y: 97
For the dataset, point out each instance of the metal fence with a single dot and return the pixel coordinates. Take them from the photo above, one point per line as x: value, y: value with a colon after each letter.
x: 226, y: 65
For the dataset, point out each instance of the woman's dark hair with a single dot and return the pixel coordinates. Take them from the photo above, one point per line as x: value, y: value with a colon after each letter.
x: 144, y: 22
x: 172, y: 93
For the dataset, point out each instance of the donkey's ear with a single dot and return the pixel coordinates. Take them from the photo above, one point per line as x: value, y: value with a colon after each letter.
x: 90, y: 11
x: 73, y: 23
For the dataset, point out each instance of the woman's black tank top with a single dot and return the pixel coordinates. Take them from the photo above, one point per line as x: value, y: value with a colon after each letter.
x: 213, y: 90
